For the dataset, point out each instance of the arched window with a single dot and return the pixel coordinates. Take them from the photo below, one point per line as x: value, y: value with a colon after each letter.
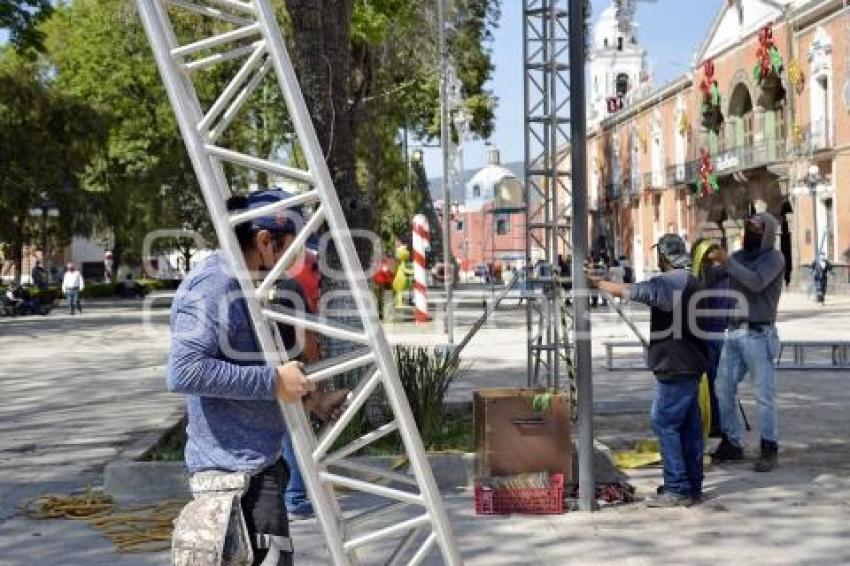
x: 622, y: 84
x: 741, y: 108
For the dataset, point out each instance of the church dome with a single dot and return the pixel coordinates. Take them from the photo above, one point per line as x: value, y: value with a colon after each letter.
x: 494, y: 185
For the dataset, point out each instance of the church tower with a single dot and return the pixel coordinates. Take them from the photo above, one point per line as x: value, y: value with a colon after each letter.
x: 617, y: 65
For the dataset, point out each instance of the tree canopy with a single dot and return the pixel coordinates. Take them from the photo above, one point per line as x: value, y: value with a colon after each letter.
x: 367, y: 68
x: 21, y: 18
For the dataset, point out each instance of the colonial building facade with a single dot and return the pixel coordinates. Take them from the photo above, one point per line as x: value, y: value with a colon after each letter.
x: 760, y: 123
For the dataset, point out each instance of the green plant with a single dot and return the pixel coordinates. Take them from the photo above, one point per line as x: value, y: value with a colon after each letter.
x: 426, y: 377
x: 99, y: 290
x: 48, y: 295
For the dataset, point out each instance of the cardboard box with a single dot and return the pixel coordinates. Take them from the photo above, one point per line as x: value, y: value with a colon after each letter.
x: 512, y: 438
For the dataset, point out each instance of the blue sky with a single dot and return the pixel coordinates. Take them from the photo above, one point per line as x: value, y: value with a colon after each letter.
x: 670, y: 30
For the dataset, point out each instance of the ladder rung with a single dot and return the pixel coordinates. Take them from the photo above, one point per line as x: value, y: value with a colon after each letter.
x: 373, y: 514
x: 361, y: 393
x: 217, y: 58
x: 235, y: 4
x: 366, y: 487
x: 211, y: 12
x: 375, y: 471
x: 407, y: 525
x: 361, y: 442
x: 423, y: 550
x: 309, y: 322
x: 209, y: 42
x: 260, y: 164
x: 232, y: 87
x: 269, y: 209
x: 340, y: 364
x: 240, y: 99
x: 403, y: 547
x: 543, y: 347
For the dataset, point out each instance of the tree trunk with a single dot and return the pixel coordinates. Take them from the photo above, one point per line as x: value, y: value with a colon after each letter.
x: 117, y: 254
x: 321, y: 53
x: 18, y: 247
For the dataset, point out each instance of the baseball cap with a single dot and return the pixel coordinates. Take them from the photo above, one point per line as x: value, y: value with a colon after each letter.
x: 287, y: 221
x: 674, y: 249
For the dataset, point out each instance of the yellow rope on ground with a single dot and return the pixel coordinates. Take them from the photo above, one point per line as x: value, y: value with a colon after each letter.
x: 136, y: 529
x: 89, y: 505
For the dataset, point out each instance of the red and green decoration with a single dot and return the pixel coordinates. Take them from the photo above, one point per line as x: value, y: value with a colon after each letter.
x: 769, y: 62
x: 711, y: 114
x: 706, y: 180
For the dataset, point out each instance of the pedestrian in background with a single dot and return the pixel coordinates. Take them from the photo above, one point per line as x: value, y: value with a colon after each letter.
x: 39, y: 277
x: 72, y: 286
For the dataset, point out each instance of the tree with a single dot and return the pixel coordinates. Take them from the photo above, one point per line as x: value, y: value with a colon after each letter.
x: 368, y: 69
x: 397, y: 40
x: 100, y: 53
x: 46, y: 139
x: 21, y: 18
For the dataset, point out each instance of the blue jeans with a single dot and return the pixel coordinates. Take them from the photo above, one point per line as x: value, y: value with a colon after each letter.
x: 295, y: 495
x: 73, y: 296
x: 748, y: 350
x: 676, y: 421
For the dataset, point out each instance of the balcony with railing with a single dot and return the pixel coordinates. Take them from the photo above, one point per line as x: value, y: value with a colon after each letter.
x: 750, y: 156
x: 813, y: 137
x: 654, y: 181
x: 682, y: 173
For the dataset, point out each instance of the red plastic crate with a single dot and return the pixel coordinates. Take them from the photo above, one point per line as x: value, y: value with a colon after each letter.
x: 547, y: 501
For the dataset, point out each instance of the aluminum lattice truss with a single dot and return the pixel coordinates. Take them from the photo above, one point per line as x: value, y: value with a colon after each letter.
x: 242, y: 42
x: 547, y: 186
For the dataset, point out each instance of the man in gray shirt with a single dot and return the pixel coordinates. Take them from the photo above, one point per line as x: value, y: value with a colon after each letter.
x: 755, y: 274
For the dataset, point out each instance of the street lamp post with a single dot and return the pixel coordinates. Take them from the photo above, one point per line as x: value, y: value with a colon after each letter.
x: 45, y: 209
x: 448, y: 270
x: 813, y: 178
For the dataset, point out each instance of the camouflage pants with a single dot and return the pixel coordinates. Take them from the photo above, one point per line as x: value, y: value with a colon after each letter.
x: 234, y: 520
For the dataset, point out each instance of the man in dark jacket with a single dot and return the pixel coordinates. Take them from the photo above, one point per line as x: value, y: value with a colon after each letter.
x: 678, y: 359
x: 755, y: 274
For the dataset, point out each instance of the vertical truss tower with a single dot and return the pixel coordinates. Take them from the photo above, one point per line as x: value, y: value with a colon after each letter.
x: 554, y: 34
x: 547, y: 188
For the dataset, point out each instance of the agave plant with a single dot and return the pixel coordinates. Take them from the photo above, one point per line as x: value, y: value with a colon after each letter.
x: 426, y: 377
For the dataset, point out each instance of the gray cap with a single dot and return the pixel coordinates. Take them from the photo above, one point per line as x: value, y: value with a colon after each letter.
x: 674, y: 249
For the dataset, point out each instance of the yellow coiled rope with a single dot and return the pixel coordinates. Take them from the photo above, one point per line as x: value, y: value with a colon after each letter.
x: 134, y: 529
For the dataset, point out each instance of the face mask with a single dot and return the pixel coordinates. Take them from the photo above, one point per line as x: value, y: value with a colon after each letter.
x: 752, y: 241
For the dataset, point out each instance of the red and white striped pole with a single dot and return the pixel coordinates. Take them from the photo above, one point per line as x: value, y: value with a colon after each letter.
x: 421, y: 239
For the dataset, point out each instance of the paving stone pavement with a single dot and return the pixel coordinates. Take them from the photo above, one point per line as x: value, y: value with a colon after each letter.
x: 76, y: 390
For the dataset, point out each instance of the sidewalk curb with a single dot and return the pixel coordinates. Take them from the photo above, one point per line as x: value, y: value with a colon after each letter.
x: 128, y: 478
x: 131, y: 479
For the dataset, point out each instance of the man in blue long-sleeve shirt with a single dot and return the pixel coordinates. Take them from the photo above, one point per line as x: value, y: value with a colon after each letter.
x: 235, y: 423
x: 678, y: 359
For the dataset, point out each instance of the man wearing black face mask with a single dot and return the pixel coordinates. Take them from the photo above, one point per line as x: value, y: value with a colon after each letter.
x: 755, y: 274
